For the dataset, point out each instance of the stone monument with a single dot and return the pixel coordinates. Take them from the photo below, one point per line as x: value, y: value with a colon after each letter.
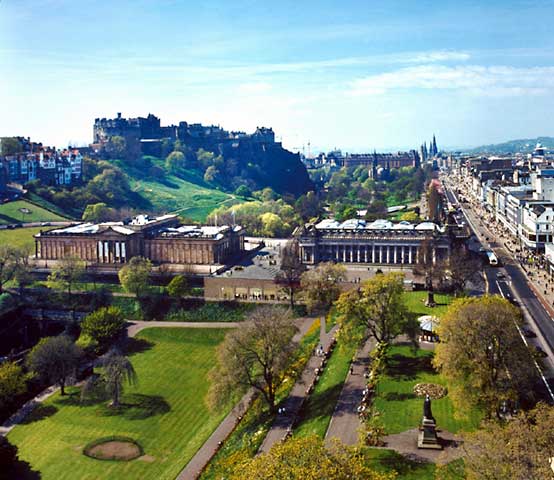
x: 427, y: 432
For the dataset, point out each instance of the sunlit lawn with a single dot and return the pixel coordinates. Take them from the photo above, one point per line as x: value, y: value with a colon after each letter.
x: 20, y: 237
x: 400, y: 409
x: 165, y: 413
x: 415, y: 301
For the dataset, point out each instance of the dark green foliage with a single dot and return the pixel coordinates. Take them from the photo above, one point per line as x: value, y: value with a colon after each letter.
x: 106, y: 326
x: 210, y: 312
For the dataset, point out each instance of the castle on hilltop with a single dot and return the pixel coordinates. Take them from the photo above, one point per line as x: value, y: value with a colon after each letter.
x: 150, y: 133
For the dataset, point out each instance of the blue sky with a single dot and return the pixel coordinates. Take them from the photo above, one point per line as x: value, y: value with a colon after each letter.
x: 357, y: 75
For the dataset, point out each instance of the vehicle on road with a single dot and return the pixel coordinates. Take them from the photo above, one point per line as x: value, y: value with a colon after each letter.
x: 492, y: 258
x: 538, y: 351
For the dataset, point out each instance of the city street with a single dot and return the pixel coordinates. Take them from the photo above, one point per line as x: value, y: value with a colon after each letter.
x: 511, y: 281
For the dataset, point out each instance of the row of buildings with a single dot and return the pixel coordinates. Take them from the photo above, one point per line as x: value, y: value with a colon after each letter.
x: 517, y: 191
x: 33, y: 161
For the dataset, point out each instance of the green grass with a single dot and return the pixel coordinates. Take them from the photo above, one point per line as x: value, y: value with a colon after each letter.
x: 10, y: 213
x: 164, y: 412
x: 383, y: 460
x: 400, y: 409
x: 20, y: 237
x: 176, y: 195
x: 321, y: 403
x: 415, y: 301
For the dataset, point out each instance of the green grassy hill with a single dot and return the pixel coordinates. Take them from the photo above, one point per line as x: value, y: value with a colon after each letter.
x: 22, y: 211
x: 190, y: 198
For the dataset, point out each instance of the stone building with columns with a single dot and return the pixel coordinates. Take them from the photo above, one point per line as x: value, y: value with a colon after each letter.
x: 161, y: 239
x: 373, y: 243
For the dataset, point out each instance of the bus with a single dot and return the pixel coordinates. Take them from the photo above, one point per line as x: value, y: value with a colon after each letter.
x: 493, y: 260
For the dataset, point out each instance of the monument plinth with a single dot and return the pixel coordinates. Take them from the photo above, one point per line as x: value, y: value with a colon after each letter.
x: 427, y: 437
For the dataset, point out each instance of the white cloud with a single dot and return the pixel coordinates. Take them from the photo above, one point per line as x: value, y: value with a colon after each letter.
x: 476, y: 79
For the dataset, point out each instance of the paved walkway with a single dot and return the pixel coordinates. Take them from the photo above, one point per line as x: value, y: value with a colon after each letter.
x: 283, y: 423
x: 345, y: 422
x: 405, y: 443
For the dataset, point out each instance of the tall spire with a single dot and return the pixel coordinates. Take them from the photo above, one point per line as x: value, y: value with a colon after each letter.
x: 435, y: 149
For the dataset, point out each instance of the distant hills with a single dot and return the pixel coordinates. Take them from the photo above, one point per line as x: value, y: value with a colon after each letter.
x: 525, y: 145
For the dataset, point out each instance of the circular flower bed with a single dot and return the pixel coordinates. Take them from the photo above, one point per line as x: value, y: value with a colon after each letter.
x: 432, y: 389
x: 114, y: 448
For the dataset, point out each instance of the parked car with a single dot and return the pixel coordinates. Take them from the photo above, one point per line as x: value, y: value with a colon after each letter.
x: 539, y: 352
x: 528, y: 333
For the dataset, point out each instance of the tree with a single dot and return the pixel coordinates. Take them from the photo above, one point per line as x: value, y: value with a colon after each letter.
x: 13, y: 382
x: 307, y: 458
x: 308, y: 206
x: 429, y: 267
x: 105, y: 326
x: 134, y: 275
x: 376, y: 307
x: 116, y: 371
x: 66, y: 273
x: 463, y: 267
x: 253, y: 356
x: 410, y: 217
x: 97, y: 212
x: 320, y: 286
x: 9, y: 264
x: 116, y: 147
x: 178, y: 287
x: 433, y: 203
x: 243, y: 191
x: 175, y: 162
x: 519, y: 449
x: 55, y: 359
x: 481, y: 353
x: 9, y: 146
x: 272, y: 225
x: 211, y: 174
x: 291, y: 270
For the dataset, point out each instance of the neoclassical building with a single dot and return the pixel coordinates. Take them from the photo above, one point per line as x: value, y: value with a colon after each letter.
x: 160, y: 239
x: 378, y: 243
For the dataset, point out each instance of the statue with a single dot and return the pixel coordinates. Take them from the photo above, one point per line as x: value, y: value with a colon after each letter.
x: 427, y: 432
x: 427, y: 413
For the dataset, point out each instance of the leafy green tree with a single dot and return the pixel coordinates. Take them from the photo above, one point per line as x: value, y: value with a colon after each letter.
x: 175, y: 162
x: 306, y: 458
x: 482, y: 355
x: 55, y: 359
x: 377, y: 308
x: 105, y: 326
x: 11, y: 262
x: 321, y: 286
x: 272, y: 225
x: 243, y: 191
x: 253, y: 356
x: 410, y: 217
x: 67, y: 272
x: 116, y: 371
x: 97, y: 212
x: 116, y: 147
x: 9, y: 146
x: 211, y: 174
x: 178, y: 287
x: 134, y: 276
x: 13, y: 382
x: 346, y: 212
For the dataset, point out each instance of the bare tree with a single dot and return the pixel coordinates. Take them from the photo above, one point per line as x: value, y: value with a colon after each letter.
x: 254, y: 356
x: 291, y: 270
x: 429, y: 267
x: 321, y: 287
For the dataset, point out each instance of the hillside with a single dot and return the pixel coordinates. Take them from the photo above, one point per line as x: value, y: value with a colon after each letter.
x: 524, y: 145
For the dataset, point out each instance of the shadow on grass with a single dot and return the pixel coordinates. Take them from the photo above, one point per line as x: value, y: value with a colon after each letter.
x: 392, y: 396
x: 322, y: 404
x: 137, y: 407
x: 137, y: 345
x: 401, y: 367
x: 40, y: 412
x: 21, y: 471
x: 390, y: 460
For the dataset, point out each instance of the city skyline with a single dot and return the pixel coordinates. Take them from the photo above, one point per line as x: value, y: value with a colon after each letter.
x: 351, y: 76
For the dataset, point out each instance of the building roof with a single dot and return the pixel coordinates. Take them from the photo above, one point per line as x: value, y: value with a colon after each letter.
x: 380, y: 224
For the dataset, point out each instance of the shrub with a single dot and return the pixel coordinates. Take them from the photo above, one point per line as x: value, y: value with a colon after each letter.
x: 105, y: 326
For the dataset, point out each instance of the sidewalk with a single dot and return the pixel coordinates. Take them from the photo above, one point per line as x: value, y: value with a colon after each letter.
x: 345, y: 422
x: 284, y: 423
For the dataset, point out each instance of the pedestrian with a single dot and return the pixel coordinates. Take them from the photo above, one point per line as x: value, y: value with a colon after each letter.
x: 351, y: 369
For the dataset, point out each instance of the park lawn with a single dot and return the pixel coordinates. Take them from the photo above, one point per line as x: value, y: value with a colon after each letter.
x: 415, y: 301
x: 10, y: 213
x: 20, y: 237
x: 400, y: 409
x: 317, y: 412
x: 384, y: 460
x: 165, y: 413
